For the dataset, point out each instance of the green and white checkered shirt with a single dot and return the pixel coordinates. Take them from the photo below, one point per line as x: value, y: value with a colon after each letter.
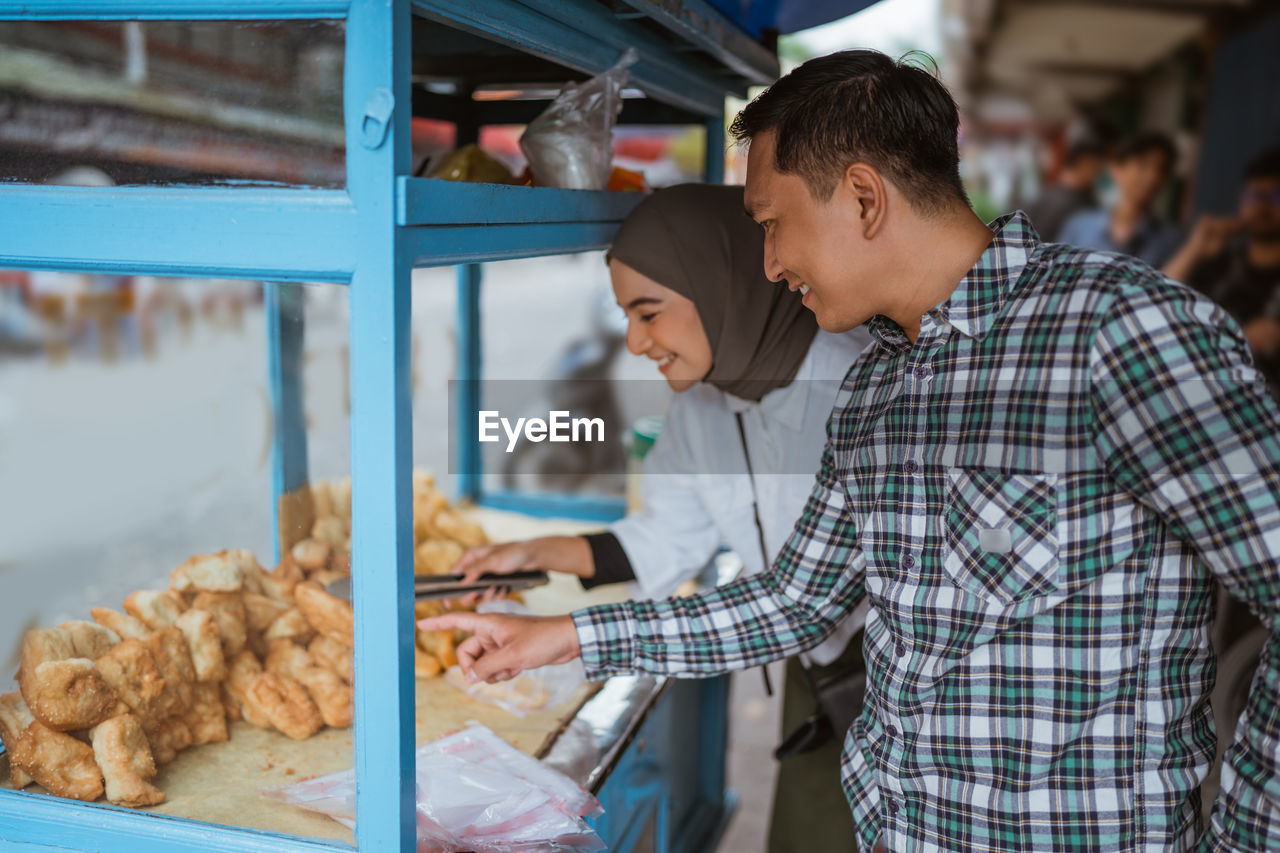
x: 1035, y: 497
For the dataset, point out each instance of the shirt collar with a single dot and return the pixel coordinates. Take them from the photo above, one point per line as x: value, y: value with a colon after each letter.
x: 980, y: 296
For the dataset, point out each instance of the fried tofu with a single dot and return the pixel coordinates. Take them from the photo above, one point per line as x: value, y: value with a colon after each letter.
x: 132, y: 671
x: 261, y: 610
x: 15, y: 716
x: 330, y: 530
x: 122, y: 752
x: 290, y: 625
x: 242, y: 673
x: 206, y: 716
x: 204, y: 642
x: 425, y: 665
x: 281, y: 581
x: 440, y: 645
x: 331, y: 654
x: 59, y: 762
x: 90, y: 639
x: 329, y: 615
x: 126, y: 626
x: 436, y: 557
x: 223, y: 571
x: 68, y: 694
x: 173, y: 658
x: 155, y: 608
x: 227, y: 609
x: 286, y: 704
x: 167, y: 737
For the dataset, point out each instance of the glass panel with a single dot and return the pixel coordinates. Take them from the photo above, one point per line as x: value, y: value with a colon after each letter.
x: 91, y: 103
x: 137, y: 432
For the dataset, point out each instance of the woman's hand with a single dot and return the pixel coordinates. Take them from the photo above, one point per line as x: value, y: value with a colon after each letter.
x: 551, y: 553
x: 501, y: 647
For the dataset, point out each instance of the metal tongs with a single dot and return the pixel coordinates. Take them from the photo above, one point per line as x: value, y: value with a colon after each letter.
x: 426, y: 587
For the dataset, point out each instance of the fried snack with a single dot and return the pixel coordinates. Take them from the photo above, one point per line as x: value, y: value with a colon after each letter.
x: 330, y: 654
x: 126, y: 626
x: 340, y: 497
x: 451, y: 523
x: 155, y: 608
x: 286, y: 704
x: 206, y: 716
x: 15, y: 716
x: 310, y: 555
x: 123, y: 754
x: 436, y: 557
x: 167, y: 737
x: 41, y: 645
x: 290, y: 625
x: 132, y: 671
x: 331, y: 695
x: 173, y: 658
x: 320, y: 500
x: 425, y: 508
x: 425, y: 665
x: 324, y: 577
x: 329, y: 615
x: 222, y: 571
x: 90, y: 639
x: 230, y: 704
x: 261, y: 611
x: 340, y: 561
x: 59, y: 762
x: 68, y: 694
x: 204, y: 642
x: 440, y: 645
x: 330, y: 530
x: 242, y: 673
x: 227, y: 609
x: 280, y: 581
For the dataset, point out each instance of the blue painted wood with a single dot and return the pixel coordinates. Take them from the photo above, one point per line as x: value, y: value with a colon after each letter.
x: 585, y: 36
x: 713, y: 156
x: 700, y: 24
x: 167, y: 10
x: 427, y: 201
x: 432, y: 246
x: 250, y: 232
x: 470, y: 462
x: 556, y: 505
x: 377, y: 116
x: 286, y: 327
x: 53, y: 824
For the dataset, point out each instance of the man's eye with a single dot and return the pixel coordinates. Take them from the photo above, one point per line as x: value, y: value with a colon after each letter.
x: 647, y: 317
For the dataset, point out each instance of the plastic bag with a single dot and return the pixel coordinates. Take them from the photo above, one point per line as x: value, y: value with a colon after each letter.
x: 532, y: 690
x: 570, y: 145
x: 478, y: 793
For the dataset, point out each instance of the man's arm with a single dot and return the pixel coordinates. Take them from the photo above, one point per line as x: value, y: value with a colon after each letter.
x: 1185, y: 424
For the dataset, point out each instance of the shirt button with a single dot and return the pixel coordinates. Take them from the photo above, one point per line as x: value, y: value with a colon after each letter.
x: 911, y: 467
x: 923, y: 373
x: 892, y: 732
x: 908, y: 562
x: 901, y: 650
x: 893, y: 807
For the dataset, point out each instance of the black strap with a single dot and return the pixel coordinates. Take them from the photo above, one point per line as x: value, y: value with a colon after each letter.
x: 764, y: 551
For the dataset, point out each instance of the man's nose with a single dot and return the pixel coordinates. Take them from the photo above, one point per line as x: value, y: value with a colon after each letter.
x: 773, y: 269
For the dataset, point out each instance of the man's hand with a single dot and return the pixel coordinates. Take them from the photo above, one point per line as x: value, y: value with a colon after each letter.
x: 553, y: 553
x: 502, y: 646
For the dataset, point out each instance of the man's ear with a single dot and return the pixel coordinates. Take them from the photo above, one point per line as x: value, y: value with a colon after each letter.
x: 866, y: 189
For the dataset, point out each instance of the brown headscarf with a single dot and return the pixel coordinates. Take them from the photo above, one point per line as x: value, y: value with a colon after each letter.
x: 697, y: 240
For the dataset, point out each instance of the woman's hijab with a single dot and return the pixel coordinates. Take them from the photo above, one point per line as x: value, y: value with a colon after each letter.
x: 697, y: 240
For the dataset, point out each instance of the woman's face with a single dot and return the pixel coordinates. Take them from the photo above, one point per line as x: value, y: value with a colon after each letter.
x: 662, y: 325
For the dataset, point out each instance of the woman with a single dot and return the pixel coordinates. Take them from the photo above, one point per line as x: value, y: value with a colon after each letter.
x: 735, y: 462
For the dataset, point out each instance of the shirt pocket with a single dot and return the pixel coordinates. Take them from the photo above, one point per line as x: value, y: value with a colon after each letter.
x: 1001, y: 534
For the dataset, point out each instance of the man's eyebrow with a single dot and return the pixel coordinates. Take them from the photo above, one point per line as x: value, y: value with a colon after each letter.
x: 641, y: 300
x: 754, y: 209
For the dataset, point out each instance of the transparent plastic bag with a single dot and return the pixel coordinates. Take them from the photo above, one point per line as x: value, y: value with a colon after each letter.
x: 477, y: 793
x: 570, y: 145
x: 532, y: 690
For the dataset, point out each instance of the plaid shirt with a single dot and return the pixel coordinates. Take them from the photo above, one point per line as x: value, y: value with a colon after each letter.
x: 1035, y: 497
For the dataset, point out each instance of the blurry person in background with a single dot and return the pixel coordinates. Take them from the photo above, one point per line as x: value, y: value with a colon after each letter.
x: 1140, y: 169
x: 1072, y: 192
x: 1236, y: 262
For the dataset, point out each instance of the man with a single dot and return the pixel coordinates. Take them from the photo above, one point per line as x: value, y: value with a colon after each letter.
x: 1139, y: 168
x: 1033, y: 478
x: 1072, y: 192
x: 1243, y: 277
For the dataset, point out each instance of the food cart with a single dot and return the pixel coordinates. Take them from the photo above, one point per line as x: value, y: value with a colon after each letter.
x: 653, y: 751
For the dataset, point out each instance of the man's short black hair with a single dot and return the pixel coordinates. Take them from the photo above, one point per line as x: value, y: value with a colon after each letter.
x: 1266, y: 166
x: 1144, y: 143
x: 1086, y: 147
x: 862, y: 106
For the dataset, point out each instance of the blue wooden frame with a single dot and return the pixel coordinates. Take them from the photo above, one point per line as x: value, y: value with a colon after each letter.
x: 368, y: 236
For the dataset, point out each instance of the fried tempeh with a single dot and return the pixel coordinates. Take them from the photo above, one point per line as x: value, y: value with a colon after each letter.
x: 128, y: 627
x: 206, y: 716
x: 242, y: 673
x: 156, y: 608
x: 59, y: 762
x: 132, y: 671
x: 329, y: 615
x: 68, y: 694
x: 167, y: 737
x: 227, y: 609
x: 173, y: 658
x: 332, y: 696
x: 290, y: 625
x: 286, y: 704
x: 90, y: 639
x: 261, y: 610
x: 331, y: 654
x: 122, y: 752
x: 222, y: 571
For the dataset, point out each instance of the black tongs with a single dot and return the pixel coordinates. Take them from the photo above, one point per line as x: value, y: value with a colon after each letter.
x: 427, y: 587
